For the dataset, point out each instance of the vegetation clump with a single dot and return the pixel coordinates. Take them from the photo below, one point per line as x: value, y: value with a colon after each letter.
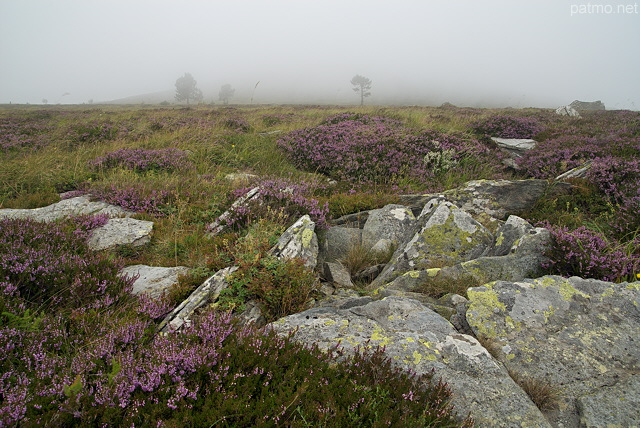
x: 371, y: 150
x: 92, y: 357
x: 507, y: 127
x: 79, y: 349
x: 142, y: 160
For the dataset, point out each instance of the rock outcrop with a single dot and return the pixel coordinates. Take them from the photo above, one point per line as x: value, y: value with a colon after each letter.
x: 515, y: 148
x: 582, y: 106
x: 568, y: 344
x: 206, y: 293
x: 120, y: 229
x: 300, y: 241
x: 153, y: 280
x: 420, y: 340
x: 567, y: 111
x: 577, y: 335
x: 80, y: 205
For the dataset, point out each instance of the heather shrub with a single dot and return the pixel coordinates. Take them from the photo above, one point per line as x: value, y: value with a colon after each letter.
x: 238, y: 124
x: 507, y: 127
x: 99, y: 361
x: 94, y: 132
x: 361, y: 118
x: 276, y: 119
x: 17, y: 133
x: 51, y: 264
x: 142, y: 160
x: 136, y: 198
x: 280, y: 198
x: 588, y: 254
x: 364, y: 149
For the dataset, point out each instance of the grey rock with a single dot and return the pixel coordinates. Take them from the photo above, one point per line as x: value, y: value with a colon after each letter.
x: 497, y: 198
x: 384, y: 245
x: 252, y: 315
x: 515, y: 236
x: 417, y: 339
x: 71, y: 207
x: 300, y: 241
x: 567, y: 111
x: 577, y: 172
x: 220, y: 223
x: 121, y: 231
x: 578, y: 334
x: 355, y: 220
x: 337, y: 274
x: 612, y: 406
x: 369, y: 273
x: 582, y: 106
x: 488, y: 199
x: 153, y: 280
x: 337, y: 241
x: 516, y: 254
x: 446, y: 235
x: 391, y: 223
x: 515, y: 146
x: 240, y: 177
x: 207, y: 292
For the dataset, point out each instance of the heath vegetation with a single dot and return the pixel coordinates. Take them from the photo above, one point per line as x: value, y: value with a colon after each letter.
x: 79, y: 349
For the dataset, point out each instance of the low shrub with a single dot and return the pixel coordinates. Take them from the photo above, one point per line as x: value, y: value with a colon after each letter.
x: 50, y: 263
x: 136, y: 198
x: 280, y: 198
x: 284, y: 287
x: 18, y: 132
x: 238, y: 124
x: 94, y: 357
x: 507, y: 127
x: 95, y: 132
x: 143, y: 160
x: 588, y: 254
x: 363, y: 149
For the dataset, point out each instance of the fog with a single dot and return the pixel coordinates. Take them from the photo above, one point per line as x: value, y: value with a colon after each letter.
x: 542, y: 53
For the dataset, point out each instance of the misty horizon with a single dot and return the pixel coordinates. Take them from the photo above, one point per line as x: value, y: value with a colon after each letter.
x: 468, y: 53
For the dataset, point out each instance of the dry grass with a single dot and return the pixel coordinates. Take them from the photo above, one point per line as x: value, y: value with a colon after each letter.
x: 543, y: 393
x: 360, y: 257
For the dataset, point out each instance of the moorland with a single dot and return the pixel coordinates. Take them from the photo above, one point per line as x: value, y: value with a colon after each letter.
x: 79, y: 349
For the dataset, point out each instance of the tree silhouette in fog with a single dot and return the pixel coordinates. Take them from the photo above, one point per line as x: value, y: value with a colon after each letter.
x: 361, y: 84
x: 226, y: 92
x: 187, y: 90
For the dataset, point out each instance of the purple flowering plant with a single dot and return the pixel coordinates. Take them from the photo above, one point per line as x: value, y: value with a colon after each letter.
x: 94, y: 355
x: 507, y: 127
x: 142, y: 160
x: 366, y: 149
x: 290, y: 199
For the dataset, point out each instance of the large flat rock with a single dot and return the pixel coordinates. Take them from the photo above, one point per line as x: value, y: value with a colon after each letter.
x: 71, y: 207
x: 153, y: 280
x: 579, y: 335
x: 418, y: 339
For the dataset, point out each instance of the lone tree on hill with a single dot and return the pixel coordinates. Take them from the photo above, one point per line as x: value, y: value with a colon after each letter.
x: 361, y: 84
x: 225, y: 93
x: 186, y: 89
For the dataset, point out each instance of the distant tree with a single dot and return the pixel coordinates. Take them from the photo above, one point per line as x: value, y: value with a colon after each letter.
x: 226, y: 92
x: 187, y: 90
x: 45, y: 101
x: 361, y: 84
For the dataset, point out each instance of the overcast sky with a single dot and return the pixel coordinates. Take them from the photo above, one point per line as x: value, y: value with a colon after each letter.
x: 541, y: 53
